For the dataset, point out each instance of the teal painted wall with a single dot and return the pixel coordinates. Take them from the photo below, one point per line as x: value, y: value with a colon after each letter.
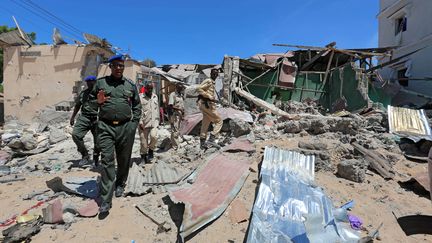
x: 354, y: 87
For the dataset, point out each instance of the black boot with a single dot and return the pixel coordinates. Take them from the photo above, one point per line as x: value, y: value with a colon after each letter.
x: 203, y: 144
x: 212, y: 138
x: 150, y: 155
x: 144, y: 159
x: 96, y: 159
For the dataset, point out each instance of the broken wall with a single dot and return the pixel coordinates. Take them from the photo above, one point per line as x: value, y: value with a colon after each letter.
x: 344, y: 83
x: 40, y: 76
x: 349, y: 83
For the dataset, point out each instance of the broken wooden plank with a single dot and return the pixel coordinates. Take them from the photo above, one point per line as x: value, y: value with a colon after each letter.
x: 328, y: 68
x: 318, y: 55
x: 262, y: 103
x: 262, y: 74
x: 377, y: 162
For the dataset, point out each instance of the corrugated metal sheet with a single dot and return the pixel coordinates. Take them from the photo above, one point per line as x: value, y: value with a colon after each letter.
x: 190, y: 121
x: 240, y: 144
x: 215, y: 187
x: 288, y: 208
x: 13, y: 38
x: 180, y: 74
x: 162, y: 73
x: 140, y: 181
x: 409, y: 123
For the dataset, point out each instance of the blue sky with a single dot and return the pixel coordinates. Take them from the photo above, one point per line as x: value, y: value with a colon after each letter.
x: 196, y: 31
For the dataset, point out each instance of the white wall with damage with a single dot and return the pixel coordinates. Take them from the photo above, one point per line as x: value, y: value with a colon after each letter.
x: 407, y: 24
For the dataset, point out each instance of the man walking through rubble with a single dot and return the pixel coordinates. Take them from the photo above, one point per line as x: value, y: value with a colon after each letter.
x: 176, y: 112
x: 119, y: 114
x: 87, y: 121
x: 149, y: 123
x: 207, y: 105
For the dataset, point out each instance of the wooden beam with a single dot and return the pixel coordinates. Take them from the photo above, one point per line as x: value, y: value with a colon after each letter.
x: 264, y: 73
x: 318, y: 55
x: 377, y: 162
x: 328, y: 67
x: 287, y: 88
x: 365, y: 53
x: 259, y: 102
x: 392, y: 61
x: 301, y: 47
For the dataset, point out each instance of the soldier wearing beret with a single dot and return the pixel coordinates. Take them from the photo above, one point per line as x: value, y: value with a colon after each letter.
x: 119, y: 114
x: 87, y: 121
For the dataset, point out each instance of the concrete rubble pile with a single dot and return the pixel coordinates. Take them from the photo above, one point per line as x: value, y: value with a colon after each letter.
x: 344, y: 143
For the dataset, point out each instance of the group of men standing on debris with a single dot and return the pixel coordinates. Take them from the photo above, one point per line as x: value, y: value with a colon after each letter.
x: 112, y: 109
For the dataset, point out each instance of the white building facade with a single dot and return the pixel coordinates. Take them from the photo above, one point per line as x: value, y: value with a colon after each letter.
x: 407, y: 24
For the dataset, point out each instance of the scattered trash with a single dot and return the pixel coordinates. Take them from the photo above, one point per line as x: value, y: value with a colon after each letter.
x: 349, y: 205
x: 12, y: 179
x: 355, y: 222
x: 53, y: 214
x: 34, y: 194
x: 26, y: 218
x: 22, y: 232
x: 83, y: 186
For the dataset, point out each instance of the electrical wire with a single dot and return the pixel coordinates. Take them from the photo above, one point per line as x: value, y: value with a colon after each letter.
x: 46, y: 19
x: 30, y: 3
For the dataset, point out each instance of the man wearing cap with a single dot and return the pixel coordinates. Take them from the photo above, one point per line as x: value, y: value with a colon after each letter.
x: 119, y: 114
x: 87, y: 121
x: 149, y: 123
x: 207, y: 105
x: 175, y: 112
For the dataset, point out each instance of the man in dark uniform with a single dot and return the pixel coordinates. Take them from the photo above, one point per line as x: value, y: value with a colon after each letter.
x: 87, y: 121
x: 119, y: 114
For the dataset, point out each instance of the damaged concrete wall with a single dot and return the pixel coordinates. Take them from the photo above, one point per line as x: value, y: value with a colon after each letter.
x: 416, y: 35
x: 40, y: 76
x: 347, y: 89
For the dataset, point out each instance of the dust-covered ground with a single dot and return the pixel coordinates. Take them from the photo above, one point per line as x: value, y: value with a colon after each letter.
x: 376, y: 200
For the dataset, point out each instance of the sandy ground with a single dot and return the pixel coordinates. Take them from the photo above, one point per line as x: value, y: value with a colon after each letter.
x: 376, y: 200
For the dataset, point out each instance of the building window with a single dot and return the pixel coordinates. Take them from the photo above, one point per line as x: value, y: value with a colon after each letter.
x: 403, y: 80
x: 400, y: 25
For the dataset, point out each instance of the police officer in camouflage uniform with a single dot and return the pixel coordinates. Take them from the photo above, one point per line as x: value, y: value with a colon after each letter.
x: 119, y: 114
x: 87, y: 121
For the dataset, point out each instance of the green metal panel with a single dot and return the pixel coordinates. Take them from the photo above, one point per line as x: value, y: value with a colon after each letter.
x: 349, y: 83
x: 256, y: 87
x: 377, y: 95
x: 345, y: 81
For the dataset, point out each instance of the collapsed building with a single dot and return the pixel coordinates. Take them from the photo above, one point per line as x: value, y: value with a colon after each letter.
x: 336, y: 79
x: 207, y: 183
